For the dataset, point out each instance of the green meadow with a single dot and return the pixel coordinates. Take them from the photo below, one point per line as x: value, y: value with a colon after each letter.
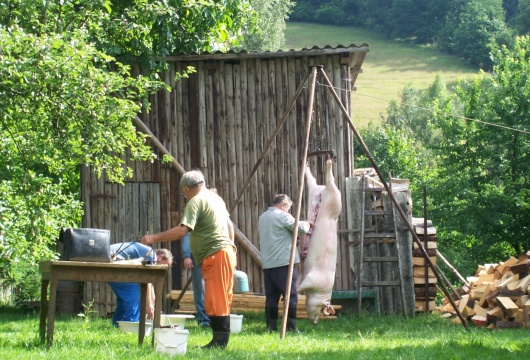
x: 389, y: 66
x: 346, y: 337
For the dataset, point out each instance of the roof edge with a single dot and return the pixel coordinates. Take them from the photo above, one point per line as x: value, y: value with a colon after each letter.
x: 230, y: 55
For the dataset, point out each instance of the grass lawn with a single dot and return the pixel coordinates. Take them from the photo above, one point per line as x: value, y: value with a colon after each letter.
x: 348, y: 337
x: 388, y: 67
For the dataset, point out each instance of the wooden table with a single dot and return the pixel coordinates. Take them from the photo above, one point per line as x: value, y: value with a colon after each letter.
x: 53, y: 271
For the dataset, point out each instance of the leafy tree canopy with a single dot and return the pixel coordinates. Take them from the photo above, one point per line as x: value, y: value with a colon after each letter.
x: 138, y: 28
x: 67, y: 100
x: 483, y: 189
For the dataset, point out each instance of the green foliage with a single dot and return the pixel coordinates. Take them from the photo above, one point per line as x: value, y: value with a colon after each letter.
x: 66, y: 102
x: 25, y: 283
x: 414, y: 113
x: 471, y: 149
x: 268, y: 33
x: 482, y: 188
x: 138, y: 28
x: 394, y: 151
x: 62, y: 107
x: 476, y: 30
x: 521, y: 20
x: 471, y: 29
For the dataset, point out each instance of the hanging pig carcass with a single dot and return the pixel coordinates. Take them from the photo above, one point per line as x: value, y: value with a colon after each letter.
x: 319, y: 248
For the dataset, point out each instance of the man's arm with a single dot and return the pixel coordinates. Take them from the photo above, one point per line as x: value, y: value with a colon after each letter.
x: 186, y: 252
x: 176, y: 233
x: 150, y: 303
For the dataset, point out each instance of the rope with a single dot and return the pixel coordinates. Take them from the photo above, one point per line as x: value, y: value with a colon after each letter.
x: 436, y: 112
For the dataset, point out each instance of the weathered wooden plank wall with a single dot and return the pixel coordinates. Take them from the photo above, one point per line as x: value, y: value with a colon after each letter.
x: 219, y: 120
x: 390, y: 301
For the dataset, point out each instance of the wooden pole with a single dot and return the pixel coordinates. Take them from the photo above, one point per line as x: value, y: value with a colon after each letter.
x: 181, y: 295
x: 425, y: 241
x: 140, y: 124
x: 243, y: 240
x: 301, y: 179
x: 393, y: 198
x: 439, y: 254
x: 269, y: 143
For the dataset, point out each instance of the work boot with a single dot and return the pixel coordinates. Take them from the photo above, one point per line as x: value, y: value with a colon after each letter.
x: 272, y: 318
x: 221, y: 332
x: 291, y: 320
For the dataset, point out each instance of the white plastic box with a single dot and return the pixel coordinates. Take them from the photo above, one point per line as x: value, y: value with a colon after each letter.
x: 134, y: 326
x: 175, y: 320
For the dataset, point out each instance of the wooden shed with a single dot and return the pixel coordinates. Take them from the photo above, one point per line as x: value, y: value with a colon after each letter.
x: 220, y: 120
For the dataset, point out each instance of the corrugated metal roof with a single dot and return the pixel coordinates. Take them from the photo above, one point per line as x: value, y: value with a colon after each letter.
x: 314, y: 51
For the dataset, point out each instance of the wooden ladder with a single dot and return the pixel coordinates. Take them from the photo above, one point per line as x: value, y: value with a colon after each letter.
x: 377, y: 236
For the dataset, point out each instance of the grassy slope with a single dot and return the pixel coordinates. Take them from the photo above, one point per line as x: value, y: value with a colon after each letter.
x: 387, y: 68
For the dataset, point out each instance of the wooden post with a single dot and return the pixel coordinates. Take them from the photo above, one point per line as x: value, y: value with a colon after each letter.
x: 393, y: 198
x: 299, y: 201
x: 245, y: 242
x: 269, y: 143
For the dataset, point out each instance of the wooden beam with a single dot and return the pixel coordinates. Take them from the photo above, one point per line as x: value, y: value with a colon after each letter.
x: 243, y: 240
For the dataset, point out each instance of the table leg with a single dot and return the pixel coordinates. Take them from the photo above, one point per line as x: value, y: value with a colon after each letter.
x: 43, y: 308
x: 51, y: 306
x: 143, y: 305
x: 159, y: 288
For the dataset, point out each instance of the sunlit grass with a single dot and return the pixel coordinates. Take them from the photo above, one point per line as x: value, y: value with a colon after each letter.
x: 388, y: 67
x: 347, y: 337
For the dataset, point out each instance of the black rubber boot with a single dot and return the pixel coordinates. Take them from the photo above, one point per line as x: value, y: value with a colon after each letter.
x: 221, y: 332
x: 291, y: 321
x: 272, y: 318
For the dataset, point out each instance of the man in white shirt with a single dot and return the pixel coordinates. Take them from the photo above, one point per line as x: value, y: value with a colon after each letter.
x: 275, y: 228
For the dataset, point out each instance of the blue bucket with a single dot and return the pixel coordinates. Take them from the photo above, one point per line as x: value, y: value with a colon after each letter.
x: 240, y: 282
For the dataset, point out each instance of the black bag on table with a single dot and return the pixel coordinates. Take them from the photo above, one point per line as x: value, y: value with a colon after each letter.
x: 84, y: 244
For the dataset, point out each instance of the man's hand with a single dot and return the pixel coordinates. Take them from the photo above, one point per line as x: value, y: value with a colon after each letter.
x: 188, y: 264
x: 147, y: 240
x: 150, y: 312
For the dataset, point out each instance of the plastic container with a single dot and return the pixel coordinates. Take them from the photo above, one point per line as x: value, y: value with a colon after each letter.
x: 171, y: 341
x: 236, y: 323
x: 175, y: 320
x: 240, y: 282
x: 134, y: 326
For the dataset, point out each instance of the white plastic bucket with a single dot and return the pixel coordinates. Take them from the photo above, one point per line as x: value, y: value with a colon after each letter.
x: 236, y: 322
x: 171, y: 341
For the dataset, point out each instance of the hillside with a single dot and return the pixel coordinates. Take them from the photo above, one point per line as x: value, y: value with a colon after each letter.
x: 388, y: 67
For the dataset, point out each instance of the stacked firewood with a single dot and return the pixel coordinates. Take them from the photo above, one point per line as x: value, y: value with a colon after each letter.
x: 242, y: 302
x: 424, y: 278
x: 498, y: 296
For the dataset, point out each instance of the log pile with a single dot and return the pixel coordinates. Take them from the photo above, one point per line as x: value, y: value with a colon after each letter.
x: 243, y: 302
x: 498, y: 296
x: 424, y: 278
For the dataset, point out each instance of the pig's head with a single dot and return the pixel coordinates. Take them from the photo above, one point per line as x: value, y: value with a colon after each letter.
x: 315, y: 306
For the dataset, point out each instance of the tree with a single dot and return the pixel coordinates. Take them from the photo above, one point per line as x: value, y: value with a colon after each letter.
x: 66, y: 102
x: 521, y: 19
x: 414, y: 114
x: 128, y: 29
x: 269, y: 26
x: 482, y: 193
x: 419, y: 19
x: 473, y: 29
x: 61, y: 108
